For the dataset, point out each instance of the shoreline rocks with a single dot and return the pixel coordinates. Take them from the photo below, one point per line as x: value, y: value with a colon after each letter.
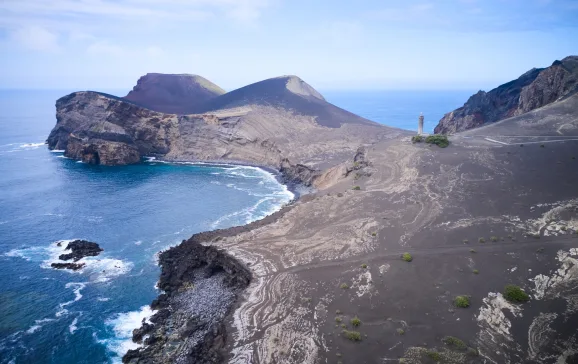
x: 78, y: 249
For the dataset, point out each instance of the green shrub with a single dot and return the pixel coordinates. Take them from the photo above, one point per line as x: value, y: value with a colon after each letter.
x: 473, y: 352
x: 364, y: 266
x: 514, y: 293
x: 356, y: 188
x: 494, y: 238
x: 417, y: 139
x: 462, y: 301
x: 439, y: 140
x: 407, y: 257
x: 434, y: 355
x: 355, y: 322
x: 481, y: 240
x: 400, y: 331
x: 344, y: 286
x: 352, y: 335
x: 454, y: 342
x: 475, y: 271
x: 563, y: 228
x: 373, y: 234
x: 338, y: 319
x: 472, y: 251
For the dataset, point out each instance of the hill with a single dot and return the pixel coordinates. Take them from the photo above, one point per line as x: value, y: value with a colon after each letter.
x: 289, y: 93
x: 173, y: 93
x: 534, y: 89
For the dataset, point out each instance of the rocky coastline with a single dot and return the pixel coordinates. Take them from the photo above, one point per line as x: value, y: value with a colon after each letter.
x: 201, y: 286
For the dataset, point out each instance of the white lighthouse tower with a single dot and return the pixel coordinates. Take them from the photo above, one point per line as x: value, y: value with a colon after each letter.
x: 420, y: 124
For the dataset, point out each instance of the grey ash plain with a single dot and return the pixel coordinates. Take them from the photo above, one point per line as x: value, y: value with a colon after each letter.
x: 283, y: 276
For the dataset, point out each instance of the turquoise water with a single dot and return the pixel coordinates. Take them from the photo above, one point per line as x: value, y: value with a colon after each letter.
x: 133, y: 212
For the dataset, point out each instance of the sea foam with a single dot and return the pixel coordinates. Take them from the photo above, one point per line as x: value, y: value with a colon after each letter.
x: 123, y: 325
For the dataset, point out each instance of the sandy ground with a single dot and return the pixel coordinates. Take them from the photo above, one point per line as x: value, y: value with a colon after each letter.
x: 435, y: 204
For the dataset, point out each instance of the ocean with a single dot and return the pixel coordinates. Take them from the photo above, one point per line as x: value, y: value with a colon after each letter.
x: 132, y: 212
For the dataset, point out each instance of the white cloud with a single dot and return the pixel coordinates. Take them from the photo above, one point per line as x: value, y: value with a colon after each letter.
x: 35, y: 38
x: 154, y: 51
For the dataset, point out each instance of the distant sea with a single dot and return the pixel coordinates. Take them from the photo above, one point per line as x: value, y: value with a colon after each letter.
x: 133, y: 212
x: 400, y: 109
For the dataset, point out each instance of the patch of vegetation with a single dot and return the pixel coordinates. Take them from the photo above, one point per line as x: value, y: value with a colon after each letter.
x: 400, y: 331
x: 373, y: 234
x: 344, y: 326
x: 475, y: 271
x: 439, y: 140
x: 510, y: 236
x: 494, y: 239
x: 473, y: 352
x: 352, y: 335
x: 563, y: 228
x: 355, y: 322
x: 481, y: 240
x: 338, y: 319
x: 356, y: 188
x: 462, y: 301
x: 417, y: 139
x: 454, y: 342
x: 338, y: 312
x: 434, y: 355
x: 364, y: 266
x: 406, y: 257
x: 542, y: 145
x: 515, y: 294
x: 340, y: 194
x: 344, y: 286
x: 472, y: 251
x: 540, y: 250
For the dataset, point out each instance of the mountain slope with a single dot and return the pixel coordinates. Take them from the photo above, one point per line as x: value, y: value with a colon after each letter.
x: 173, y: 93
x: 290, y: 93
x: 534, y: 89
x: 281, y: 123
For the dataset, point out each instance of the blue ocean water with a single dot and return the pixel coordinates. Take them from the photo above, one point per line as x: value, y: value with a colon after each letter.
x: 400, y: 108
x: 133, y: 212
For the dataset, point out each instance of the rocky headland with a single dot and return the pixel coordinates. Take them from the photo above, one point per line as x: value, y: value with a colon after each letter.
x: 536, y: 88
x: 78, y: 249
x: 327, y: 278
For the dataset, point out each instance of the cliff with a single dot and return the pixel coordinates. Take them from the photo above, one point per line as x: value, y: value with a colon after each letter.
x: 282, y: 123
x: 532, y: 90
x: 173, y: 94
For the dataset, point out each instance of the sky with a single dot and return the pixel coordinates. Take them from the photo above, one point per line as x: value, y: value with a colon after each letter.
x: 333, y: 45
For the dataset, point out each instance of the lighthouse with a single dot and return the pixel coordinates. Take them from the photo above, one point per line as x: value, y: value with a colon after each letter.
x: 420, y: 125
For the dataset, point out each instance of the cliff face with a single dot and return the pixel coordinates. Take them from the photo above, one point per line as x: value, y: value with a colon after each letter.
x: 281, y: 123
x: 532, y: 90
x: 173, y: 94
x: 100, y: 129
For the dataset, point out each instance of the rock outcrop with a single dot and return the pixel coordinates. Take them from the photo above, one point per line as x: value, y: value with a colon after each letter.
x: 534, y: 89
x: 78, y: 249
x: 200, y: 285
x: 173, y: 94
x: 102, y: 129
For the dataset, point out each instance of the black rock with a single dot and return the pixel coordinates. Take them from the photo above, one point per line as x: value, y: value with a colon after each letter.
x: 80, y: 249
x: 72, y: 266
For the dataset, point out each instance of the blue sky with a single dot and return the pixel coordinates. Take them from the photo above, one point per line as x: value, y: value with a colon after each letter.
x: 362, y: 44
